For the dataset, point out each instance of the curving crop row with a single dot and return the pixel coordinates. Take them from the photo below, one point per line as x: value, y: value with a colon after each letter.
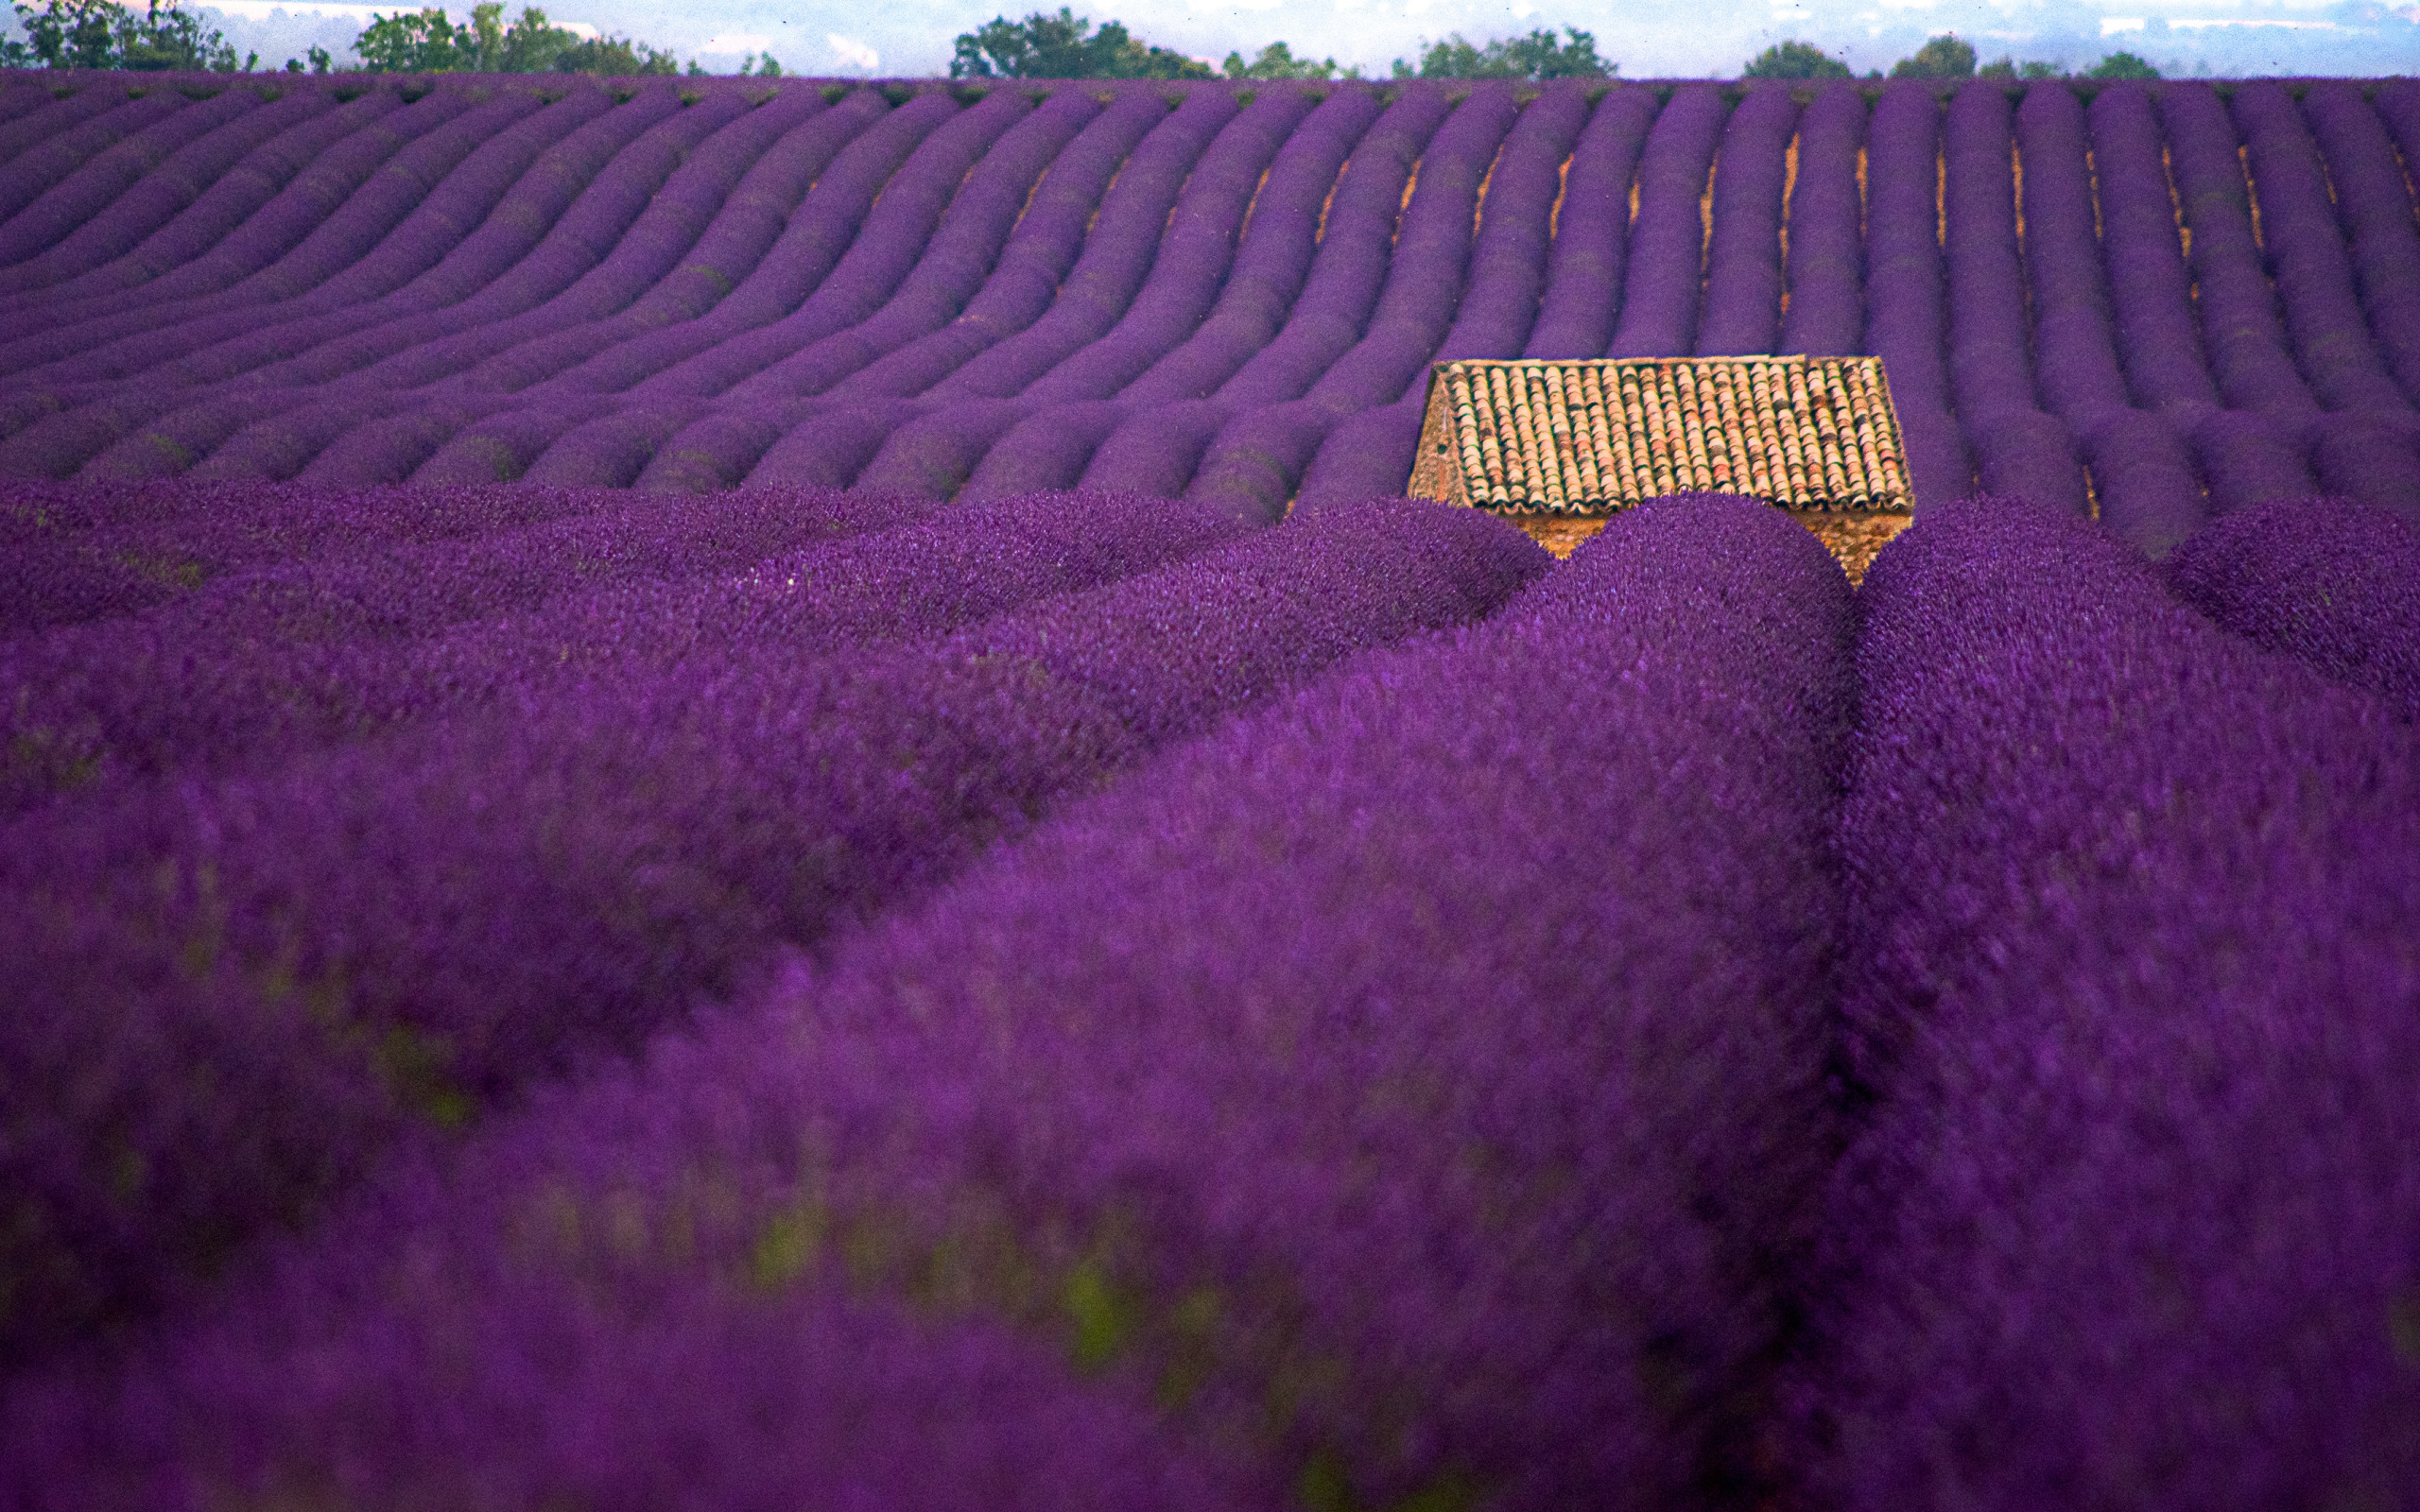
x: 1428, y: 272
x: 1119, y: 250
x: 965, y: 250
x: 2374, y: 199
x: 675, y: 287
x: 1041, y: 251
x: 882, y: 252
x: 1508, y: 266
x: 2305, y: 253
x: 2081, y: 1251
x: 146, y: 189
x: 1666, y: 264
x: 1280, y: 237
x: 2076, y: 371
x: 1356, y: 235
x: 1989, y: 371
x: 624, y: 851
x: 361, y: 140
x: 1390, y: 1086
x: 1589, y: 231
x: 1824, y: 270
x: 1197, y: 249
x: 2341, y: 592
x: 276, y: 659
x: 2241, y: 331
x: 85, y: 552
x: 1743, y: 257
x: 2150, y: 291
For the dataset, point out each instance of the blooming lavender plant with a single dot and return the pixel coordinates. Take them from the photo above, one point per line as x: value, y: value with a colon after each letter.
x: 1661, y: 285
x: 1356, y: 236
x: 2075, y: 361
x: 1827, y: 261
x: 266, y: 981
x: 1409, y: 1085
x: 2151, y: 296
x: 1743, y: 257
x: 2240, y: 329
x: 2331, y: 582
x: 2307, y: 256
x: 1903, y: 251
x: 2130, y: 1220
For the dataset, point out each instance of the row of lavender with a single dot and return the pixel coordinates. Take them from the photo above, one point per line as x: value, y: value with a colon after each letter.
x: 1399, y: 1092
x: 321, y: 852
x: 1196, y: 291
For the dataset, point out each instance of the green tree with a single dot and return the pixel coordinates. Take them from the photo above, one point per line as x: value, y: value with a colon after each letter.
x: 2010, y: 68
x: 1064, y: 46
x: 1795, y: 59
x: 1277, y: 61
x: 1535, y: 56
x: 104, y: 34
x: 616, y: 58
x: 2121, y: 65
x: 428, y: 42
x: 1941, y: 56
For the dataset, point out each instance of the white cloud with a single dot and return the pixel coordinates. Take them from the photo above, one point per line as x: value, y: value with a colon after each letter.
x: 2111, y: 26
x: 853, y: 53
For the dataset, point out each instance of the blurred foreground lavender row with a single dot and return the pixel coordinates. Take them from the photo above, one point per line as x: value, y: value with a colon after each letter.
x: 2155, y: 300
x: 526, y: 998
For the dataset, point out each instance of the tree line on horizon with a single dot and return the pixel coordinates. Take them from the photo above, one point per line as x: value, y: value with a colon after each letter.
x: 165, y: 36
x: 1067, y: 45
x: 108, y: 34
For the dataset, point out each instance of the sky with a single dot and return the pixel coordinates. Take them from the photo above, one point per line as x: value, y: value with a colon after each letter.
x: 1703, y: 39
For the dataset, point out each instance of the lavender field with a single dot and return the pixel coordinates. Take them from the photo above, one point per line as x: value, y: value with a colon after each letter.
x: 733, y: 793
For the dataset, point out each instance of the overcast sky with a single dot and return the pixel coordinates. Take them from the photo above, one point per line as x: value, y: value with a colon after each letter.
x: 1709, y: 38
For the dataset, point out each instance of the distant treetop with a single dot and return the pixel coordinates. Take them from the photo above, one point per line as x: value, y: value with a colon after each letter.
x: 103, y: 34
x: 1941, y: 56
x: 2121, y: 65
x: 1536, y: 56
x: 430, y: 43
x: 1065, y: 46
x: 1277, y: 61
x: 1795, y: 59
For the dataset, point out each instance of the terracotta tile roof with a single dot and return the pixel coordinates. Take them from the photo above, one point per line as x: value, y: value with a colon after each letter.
x: 1587, y: 436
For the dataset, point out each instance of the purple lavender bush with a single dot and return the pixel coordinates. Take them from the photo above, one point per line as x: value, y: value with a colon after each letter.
x: 275, y: 659
x: 1660, y: 287
x: 1989, y: 370
x: 2240, y: 329
x: 1744, y: 256
x: 1903, y: 251
x: 2129, y: 1220
x: 2150, y: 293
x: 2334, y: 583
x: 1414, y: 1087
x: 1825, y: 271
x: 1357, y: 239
x: 263, y: 982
